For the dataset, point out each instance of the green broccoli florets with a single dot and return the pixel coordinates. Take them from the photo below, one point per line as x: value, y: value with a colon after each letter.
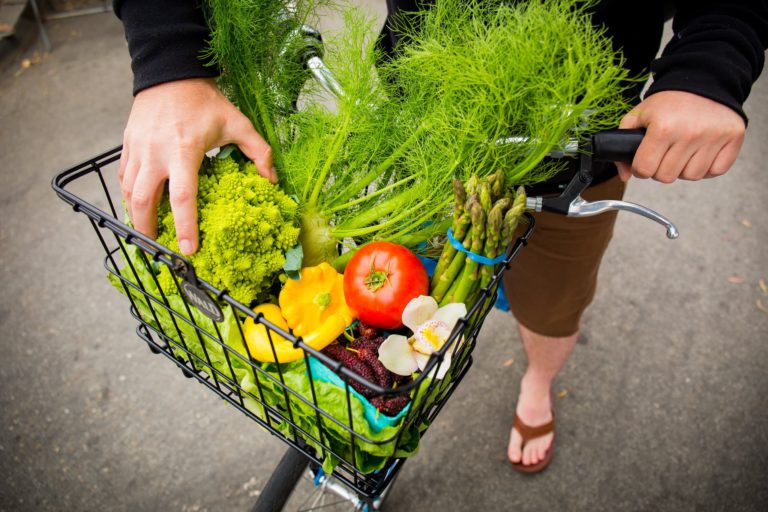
x: 246, y: 226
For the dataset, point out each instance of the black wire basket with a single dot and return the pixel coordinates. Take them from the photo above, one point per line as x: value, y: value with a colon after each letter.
x: 199, y: 328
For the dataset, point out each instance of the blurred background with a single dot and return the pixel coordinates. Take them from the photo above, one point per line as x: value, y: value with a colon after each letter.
x: 663, y: 405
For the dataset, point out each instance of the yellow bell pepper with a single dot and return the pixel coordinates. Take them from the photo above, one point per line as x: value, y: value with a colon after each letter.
x: 314, y: 305
x: 258, y: 340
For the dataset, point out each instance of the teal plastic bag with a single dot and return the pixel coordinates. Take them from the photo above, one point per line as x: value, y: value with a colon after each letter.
x: 375, y: 419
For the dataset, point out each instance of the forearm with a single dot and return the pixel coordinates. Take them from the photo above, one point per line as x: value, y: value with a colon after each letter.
x: 717, y: 51
x: 166, y: 40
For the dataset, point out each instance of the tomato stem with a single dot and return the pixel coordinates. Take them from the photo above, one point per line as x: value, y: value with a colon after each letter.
x: 376, y: 278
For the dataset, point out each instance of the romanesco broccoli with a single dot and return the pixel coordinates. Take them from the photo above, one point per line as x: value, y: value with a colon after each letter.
x: 246, y: 226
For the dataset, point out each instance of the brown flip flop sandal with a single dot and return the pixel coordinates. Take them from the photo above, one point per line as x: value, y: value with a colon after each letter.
x: 529, y: 433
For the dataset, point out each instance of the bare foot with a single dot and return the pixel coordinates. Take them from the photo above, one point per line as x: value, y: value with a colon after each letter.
x: 534, y: 408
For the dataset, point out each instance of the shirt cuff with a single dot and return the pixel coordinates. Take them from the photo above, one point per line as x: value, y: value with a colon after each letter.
x: 167, y: 41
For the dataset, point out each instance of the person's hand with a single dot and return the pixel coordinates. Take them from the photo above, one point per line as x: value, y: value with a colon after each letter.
x: 169, y: 130
x: 687, y: 137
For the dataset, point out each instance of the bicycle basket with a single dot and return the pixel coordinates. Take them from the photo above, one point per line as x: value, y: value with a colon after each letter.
x: 311, y: 404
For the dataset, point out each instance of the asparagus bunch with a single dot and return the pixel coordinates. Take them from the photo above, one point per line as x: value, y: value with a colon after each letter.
x: 485, y: 218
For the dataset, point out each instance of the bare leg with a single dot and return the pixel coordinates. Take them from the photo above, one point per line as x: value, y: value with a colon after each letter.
x: 546, y: 356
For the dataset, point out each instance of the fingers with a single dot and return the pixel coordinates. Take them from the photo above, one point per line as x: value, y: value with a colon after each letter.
x: 127, y: 175
x: 686, y: 159
x: 650, y: 154
x: 240, y: 131
x: 651, y: 151
x: 725, y: 158
x: 700, y: 163
x: 143, y: 185
x: 182, y: 193
x: 687, y: 137
x: 676, y: 158
x: 123, y: 163
x: 170, y: 128
x: 630, y: 121
x: 145, y: 195
x: 625, y: 170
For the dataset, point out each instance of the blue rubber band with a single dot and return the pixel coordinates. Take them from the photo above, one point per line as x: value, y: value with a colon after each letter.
x: 318, y: 476
x: 472, y: 255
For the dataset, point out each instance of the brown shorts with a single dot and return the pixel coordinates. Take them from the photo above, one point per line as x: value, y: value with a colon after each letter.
x: 553, y: 279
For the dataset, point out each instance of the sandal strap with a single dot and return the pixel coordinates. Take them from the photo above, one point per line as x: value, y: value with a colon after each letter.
x: 527, y: 432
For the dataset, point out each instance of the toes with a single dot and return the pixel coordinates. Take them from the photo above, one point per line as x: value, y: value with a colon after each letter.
x: 527, y: 455
x: 514, y: 451
x: 541, y: 448
x: 534, y: 451
x: 536, y: 455
x: 543, y: 451
x: 535, y: 458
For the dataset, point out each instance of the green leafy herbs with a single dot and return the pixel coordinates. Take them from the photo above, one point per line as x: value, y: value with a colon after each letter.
x: 490, y: 70
x: 380, y: 164
x: 254, y: 43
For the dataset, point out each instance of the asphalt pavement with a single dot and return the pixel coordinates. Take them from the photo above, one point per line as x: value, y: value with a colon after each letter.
x: 663, y: 406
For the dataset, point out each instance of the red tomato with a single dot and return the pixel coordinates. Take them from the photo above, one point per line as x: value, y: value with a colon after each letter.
x: 379, y: 281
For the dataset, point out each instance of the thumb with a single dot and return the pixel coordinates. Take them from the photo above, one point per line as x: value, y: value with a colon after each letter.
x: 240, y: 131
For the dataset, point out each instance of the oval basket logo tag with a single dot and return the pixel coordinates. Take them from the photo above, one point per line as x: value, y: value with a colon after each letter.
x: 200, y: 299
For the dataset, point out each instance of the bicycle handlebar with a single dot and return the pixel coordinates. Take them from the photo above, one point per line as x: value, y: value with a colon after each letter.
x: 616, y: 145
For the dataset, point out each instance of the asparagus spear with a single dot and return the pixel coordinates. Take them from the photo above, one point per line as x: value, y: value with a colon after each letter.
x: 471, y: 185
x: 494, y: 241
x: 450, y: 293
x: 443, y: 281
x: 512, y: 217
x: 484, y: 191
x: 446, y: 279
x: 459, y: 228
x: 498, y: 183
x: 502, y: 204
x: 470, y: 275
x: 459, y: 197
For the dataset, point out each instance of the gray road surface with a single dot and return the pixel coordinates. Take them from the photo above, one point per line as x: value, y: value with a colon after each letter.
x: 662, y: 407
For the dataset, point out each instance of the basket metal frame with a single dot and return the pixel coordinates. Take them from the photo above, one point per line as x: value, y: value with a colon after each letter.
x: 461, y: 341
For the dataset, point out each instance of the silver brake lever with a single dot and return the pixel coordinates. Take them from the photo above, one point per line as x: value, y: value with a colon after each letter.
x: 581, y: 208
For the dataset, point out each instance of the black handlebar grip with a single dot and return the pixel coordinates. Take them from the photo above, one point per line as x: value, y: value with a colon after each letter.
x: 616, y: 145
